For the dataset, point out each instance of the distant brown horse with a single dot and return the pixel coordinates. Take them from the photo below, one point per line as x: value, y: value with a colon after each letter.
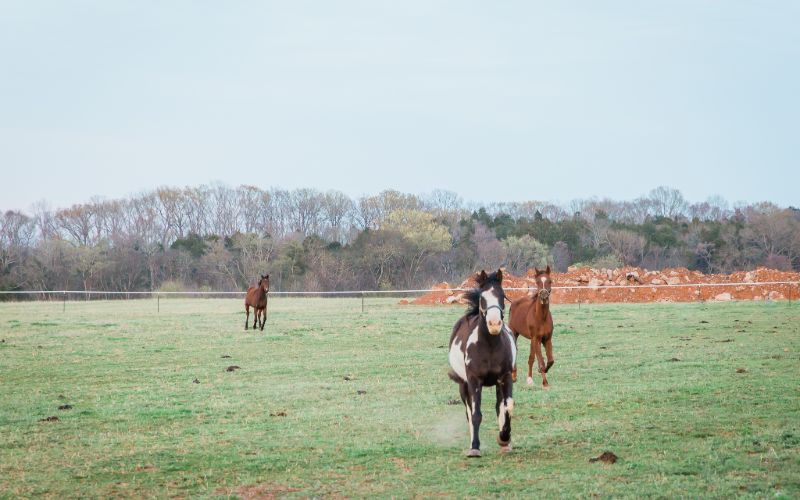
x: 531, y: 318
x: 257, y: 297
x: 482, y: 353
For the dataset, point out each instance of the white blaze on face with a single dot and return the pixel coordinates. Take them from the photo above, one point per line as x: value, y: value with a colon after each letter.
x: 494, y: 317
x: 457, y: 361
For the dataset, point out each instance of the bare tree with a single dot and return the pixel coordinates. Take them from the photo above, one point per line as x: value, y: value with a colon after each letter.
x: 77, y: 223
x: 197, y: 205
x: 627, y: 246
x: 771, y: 231
x: 253, y: 206
x: 562, y: 257
x: 337, y: 209
x: 668, y: 202
x: 225, y: 219
x: 16, y: 235
x: 491, y: 254
x: 279, y: 213
x: 173, y: 218
x: 306, y: 211
x: 367, y: 213
x: 255, y: 256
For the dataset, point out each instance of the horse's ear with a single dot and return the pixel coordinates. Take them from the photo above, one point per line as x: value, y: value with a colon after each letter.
x: 500, y: 275
x: 481, y: 278
x: 535, y: 271
x: 547, y: 271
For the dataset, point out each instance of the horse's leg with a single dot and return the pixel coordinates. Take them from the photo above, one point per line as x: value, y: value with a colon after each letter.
x: 531, y: 358
x: 474, y: 416
x: 263, y: 319
x: 504, y: 407
x: 246, y: 318
x: 548, y: 347
x: 467, y: 400
x: 255, y: 317
x: 514, y: 370
x: 540, y: 359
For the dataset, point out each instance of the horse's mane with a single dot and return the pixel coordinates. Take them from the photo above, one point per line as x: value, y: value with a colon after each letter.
x: 473, y: 296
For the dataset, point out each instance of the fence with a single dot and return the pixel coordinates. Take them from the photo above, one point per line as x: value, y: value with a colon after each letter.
x: 584, y: 293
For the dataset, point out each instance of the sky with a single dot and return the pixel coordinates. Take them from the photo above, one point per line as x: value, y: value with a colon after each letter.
x: 495, y: 101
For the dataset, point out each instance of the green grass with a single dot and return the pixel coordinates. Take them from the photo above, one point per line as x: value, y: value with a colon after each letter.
x: 656, y: 384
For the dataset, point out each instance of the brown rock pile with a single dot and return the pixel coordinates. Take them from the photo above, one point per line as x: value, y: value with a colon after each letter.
x: 631, y: 284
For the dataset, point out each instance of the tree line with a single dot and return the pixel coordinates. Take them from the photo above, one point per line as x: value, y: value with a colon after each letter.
x: 220, y: 238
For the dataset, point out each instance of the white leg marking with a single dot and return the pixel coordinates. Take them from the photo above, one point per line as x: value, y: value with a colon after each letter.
x: 530, y: 381
x: 501, y: 418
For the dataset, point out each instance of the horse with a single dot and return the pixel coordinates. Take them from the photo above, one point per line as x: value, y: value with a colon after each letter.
x: 257, y: 298
x: 483, y: 353
x: 531, y: 318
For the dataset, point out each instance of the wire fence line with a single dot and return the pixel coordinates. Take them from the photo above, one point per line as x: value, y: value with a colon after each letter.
x: 62, y: 295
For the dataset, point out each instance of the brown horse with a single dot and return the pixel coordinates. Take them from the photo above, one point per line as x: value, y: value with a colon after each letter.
x: 483, y: 353
x: 257, y: 297
x: 531, y: 318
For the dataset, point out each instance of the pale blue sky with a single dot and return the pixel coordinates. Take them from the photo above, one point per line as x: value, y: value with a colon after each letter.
x: 496, y: 101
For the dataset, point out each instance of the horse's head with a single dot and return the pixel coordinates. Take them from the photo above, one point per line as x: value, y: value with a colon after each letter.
x: 491, y: 304
x: 263, y: 283
x: 543, y: 284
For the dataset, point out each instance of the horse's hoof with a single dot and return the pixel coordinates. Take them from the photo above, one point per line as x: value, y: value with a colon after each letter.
x: 503, y: 443
x: 473, y: 453
x: 546, y: 387
x: 530, y: 381
x: 549, y: 365
x: 505, y: 449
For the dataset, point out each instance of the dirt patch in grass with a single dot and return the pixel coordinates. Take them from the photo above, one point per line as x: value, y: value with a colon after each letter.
x: 606, y: 457
x: 232, y: 368
x: 49, y: 419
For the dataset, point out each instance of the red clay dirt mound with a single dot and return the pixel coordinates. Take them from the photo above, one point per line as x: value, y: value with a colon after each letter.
x: 632, y: 284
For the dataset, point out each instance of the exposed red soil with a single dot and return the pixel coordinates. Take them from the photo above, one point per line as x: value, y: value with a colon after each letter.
x: 632, y: 284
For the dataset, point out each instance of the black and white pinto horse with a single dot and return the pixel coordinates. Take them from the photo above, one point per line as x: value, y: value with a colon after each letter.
x: 483, y: 353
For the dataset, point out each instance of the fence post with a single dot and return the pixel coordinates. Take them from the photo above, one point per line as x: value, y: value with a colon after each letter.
x: 158, y: 301
x: 362, y: 302
x: 64, y: 309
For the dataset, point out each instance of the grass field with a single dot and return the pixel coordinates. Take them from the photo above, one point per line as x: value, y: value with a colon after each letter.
x: 696, y: 400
